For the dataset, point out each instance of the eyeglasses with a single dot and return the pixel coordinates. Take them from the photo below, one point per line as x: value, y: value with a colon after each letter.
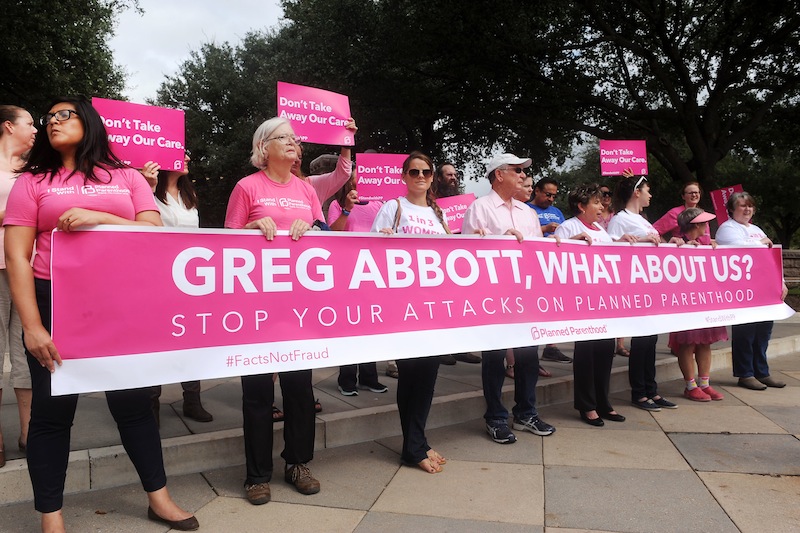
x: 61, y: 115
x: 641, y: 179
x: 550, y: 194
x: 287, y: 138
x: 414, y: 172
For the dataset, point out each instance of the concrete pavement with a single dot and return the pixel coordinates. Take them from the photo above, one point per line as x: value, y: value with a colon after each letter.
x: 732, y: 465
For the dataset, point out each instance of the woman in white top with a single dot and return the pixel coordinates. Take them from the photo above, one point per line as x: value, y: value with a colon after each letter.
x: 176, y: 200
x: 748, y: 341
x: 631, y: 196
x: 415, y: 213
x: 592, y: 359
x: 17, y: 134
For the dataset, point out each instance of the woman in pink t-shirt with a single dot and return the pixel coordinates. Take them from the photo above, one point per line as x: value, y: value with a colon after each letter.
x: 17, y: 132
x: 270, y: 200
x: 71, y: 180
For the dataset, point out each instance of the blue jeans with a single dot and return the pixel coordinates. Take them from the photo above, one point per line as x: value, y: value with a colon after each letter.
x: 526, y: 375
x: 749, y: 349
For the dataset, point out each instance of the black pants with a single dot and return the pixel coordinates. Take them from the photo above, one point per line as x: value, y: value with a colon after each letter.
x: 414, y: 396
x: 642, y: 367
x: 367, y: 375
x: 591, y: 366
x: 526, y: 375
x: 51, y: 424
x: 258, y: 393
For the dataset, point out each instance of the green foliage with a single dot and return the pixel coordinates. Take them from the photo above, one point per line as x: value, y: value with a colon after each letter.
x: 458, y: 80
x: 55, y: 48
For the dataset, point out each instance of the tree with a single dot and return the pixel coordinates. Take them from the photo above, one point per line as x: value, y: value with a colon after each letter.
x: 59, y: 48
x: 692, y: 78
x: 458, y: 80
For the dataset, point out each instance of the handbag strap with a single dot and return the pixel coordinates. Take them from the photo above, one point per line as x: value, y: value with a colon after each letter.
x: 397, y: 216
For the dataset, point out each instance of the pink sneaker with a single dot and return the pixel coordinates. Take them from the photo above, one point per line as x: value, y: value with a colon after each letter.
x: 696, y: 394
x: 714, y: 395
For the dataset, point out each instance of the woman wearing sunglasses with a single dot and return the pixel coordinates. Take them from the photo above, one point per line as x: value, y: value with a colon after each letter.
x: 69, y: 152
x: 668, y: 224
x: 631, y: 196
x: 415, y: 213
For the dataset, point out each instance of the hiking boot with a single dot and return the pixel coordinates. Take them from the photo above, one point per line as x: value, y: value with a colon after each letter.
x: 258, y: 493
x: 300, y: 476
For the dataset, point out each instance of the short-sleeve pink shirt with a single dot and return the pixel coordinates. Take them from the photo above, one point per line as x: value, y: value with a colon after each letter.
x: 36, y: 201
x: 256, y: 196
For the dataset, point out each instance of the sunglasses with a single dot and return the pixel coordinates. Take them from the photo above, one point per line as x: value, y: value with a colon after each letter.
x: 414, y: 172
x: 516, y: 170
x: 641, y: 179
x: 607, y: 194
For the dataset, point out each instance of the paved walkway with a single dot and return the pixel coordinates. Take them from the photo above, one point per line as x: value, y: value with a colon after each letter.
x: 723, y: 466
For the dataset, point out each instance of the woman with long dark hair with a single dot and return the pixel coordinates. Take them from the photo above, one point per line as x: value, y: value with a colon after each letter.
x: 631, y: 197
x: 415, y: 213
x: 71, y: 152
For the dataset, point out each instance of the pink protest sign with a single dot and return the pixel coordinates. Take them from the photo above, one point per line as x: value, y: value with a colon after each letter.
x: 720, y: 197
x: 616, y: 156
x: 140, y: 133
x: 454, y: 207
x: 317, y: 116
x: 201, y: 304
x: 378, y: 176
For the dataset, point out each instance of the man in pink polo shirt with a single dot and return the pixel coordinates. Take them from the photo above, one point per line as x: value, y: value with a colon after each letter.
x: 498, y: 213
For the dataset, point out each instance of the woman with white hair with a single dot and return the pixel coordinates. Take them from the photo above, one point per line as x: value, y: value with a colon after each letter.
x: 254, y: 204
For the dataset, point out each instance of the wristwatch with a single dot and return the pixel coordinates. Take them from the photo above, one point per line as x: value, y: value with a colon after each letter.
x: 345, y: 212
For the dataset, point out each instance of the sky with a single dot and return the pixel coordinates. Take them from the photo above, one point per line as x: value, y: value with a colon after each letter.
x: 153, y: 45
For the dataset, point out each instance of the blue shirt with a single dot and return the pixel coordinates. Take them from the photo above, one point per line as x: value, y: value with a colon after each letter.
x: 546, y: 216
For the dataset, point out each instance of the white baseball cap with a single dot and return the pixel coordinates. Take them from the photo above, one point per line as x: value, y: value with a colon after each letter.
x: 505, y: 159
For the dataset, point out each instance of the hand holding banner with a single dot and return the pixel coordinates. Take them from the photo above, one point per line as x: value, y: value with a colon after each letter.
x: 140, y: 133
x: 317, y: 116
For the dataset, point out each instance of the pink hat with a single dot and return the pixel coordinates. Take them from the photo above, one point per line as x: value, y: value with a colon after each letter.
x: 702, y: 217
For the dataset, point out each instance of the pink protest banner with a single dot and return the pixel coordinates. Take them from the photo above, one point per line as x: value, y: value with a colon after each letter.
x: 454, y: 207
x: 317, y: 116
x: 164, y: 305
x: 616, y: 156
x: 378, y: 176
x: 719, y: 198
x: 140, y: 133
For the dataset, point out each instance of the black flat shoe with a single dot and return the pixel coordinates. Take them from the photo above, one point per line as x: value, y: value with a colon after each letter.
x: 597, y: 422
x: 187, y: 524
x: 615, y: 417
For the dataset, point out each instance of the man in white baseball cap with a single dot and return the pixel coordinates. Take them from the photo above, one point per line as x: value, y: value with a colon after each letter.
x: 498, y: 213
